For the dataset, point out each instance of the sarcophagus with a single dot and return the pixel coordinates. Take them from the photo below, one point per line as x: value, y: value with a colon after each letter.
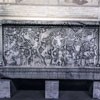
x: 61, y: 50
x: 58, y: 39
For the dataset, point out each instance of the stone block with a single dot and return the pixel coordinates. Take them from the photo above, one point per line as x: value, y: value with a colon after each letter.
x: 26, y: 12
x: 51, y: 89
x: 6, y: 89
x: 96, y: 90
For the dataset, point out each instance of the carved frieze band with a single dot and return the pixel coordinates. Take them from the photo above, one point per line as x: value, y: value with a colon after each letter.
x: 50, y: 46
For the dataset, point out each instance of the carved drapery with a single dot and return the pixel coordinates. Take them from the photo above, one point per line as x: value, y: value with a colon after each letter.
x: 50, y: 46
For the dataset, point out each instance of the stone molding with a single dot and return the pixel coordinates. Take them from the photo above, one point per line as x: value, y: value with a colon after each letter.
x: 52, y: 73
x: 62, y: 13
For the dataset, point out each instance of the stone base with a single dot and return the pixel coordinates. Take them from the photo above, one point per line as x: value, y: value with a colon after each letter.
x: 51, y: 89
x: 96, y: 90
x: 7, y: 88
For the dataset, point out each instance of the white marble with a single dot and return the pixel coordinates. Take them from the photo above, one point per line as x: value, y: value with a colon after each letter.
x: 27, y: 12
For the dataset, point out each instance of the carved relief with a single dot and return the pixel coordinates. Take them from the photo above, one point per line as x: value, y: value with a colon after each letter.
x: 48, y: 46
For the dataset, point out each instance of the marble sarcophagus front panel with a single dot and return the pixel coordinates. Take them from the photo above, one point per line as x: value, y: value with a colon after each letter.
x: 50, y: 46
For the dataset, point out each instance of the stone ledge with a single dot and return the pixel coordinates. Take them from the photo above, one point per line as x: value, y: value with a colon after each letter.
x: 48, y: 22
x: 52, y: 73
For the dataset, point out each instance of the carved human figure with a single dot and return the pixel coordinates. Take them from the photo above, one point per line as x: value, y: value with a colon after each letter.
x: 48, y: 46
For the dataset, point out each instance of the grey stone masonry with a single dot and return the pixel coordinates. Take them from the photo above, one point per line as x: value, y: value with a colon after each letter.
x: 6, y: 88
x: 51, y: 89
x: 96, y: 90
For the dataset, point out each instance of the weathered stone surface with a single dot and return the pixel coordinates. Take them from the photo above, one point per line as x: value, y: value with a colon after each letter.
x: 22, y: 12
x: 96, y: 90
x: 7, y: 88
x: 40, y: 2
x: 51, y: 89
x: 92, y: 73
x: 78, y: 2
x: 54, y: 2
x: 50, y: 9
x: 38, y: 50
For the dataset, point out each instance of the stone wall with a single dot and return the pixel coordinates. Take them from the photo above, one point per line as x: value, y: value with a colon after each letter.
x: 54, y: 2
x: 50, y: 9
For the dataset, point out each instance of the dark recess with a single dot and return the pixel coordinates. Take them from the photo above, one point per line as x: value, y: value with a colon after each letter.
x: 39, y: 84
